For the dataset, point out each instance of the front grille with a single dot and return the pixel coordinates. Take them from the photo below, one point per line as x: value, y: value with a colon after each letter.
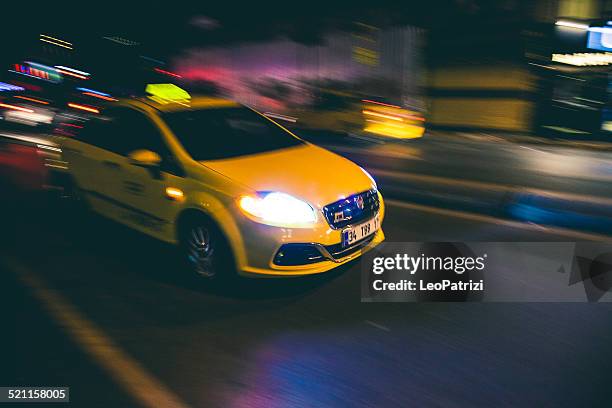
x: 349, y: 210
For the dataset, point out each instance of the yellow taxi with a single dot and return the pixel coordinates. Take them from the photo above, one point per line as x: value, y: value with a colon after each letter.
x: 234, y: 190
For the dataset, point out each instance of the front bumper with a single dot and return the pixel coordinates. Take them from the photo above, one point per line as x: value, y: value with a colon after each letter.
x: 323, y: 258
x: 295, y: 254
x: 319, y: 248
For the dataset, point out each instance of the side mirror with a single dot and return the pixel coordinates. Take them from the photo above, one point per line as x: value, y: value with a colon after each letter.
x: 144, y: 158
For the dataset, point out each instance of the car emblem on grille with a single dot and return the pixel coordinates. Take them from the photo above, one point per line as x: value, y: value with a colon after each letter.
x: 339, y: 217
x: 359, y: 202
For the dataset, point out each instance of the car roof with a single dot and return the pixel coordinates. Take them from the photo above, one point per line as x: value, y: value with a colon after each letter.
x: 196, y: 102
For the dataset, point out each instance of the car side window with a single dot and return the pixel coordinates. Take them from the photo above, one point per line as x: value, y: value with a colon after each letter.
x: 124, y: 130
x: 135, y: 132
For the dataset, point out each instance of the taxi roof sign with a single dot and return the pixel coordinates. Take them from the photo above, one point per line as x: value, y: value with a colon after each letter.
x: 167, y: 93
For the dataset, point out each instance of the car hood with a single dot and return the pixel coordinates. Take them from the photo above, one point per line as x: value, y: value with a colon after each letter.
x: 307, y: 172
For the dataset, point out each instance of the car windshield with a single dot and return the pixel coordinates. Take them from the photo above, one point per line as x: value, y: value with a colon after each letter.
x: 214, y: 134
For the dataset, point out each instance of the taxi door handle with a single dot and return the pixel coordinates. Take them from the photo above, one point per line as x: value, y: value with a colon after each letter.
x: 111, y: 164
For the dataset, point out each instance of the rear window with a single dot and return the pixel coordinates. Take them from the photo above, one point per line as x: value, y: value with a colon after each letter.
x: 214, y: 134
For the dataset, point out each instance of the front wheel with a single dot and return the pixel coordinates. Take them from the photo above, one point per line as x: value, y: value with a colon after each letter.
x: 205, y: 251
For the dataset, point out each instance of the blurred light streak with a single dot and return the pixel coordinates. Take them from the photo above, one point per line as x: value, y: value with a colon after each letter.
x: 70, y: 116
x: 153, y: 60
x: 10, y: 87
x: 83, y: 107
x: 584, y: 59
x: 381, y: 115
x: 162, y: 71
x: 56, y: 166
x: 17, y: 108
x: 47, y: 147
x: 54, y: 43
x: 122, y: 41
x: 29, y: 118
x: 380, y: 103
x: 92, y: 91
x: 396, y: 124
x: 55, y: 39
x: 32, y: 99
x: 394, y: 130
x: 579, y: 80
x: 572, y: 24
x: 566, y: 130
x: 76, y: 71
x: 95, y: 95
x: 72, y: 74
x: 542, y: 66
x: 280, y: 117
x: 419, y: 118
x: 71, y: 125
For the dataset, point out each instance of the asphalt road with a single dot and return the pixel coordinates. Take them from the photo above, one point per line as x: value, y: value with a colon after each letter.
x: 91, y: 305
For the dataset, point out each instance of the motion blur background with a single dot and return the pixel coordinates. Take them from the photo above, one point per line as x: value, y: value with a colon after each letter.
x: 480, y: 120
x: 518, y: 66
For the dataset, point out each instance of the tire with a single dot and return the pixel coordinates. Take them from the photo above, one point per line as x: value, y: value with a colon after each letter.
x: 205, y: 252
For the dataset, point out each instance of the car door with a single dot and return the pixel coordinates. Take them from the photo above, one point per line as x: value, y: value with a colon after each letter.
x: 92, y: 161
x: 142, y: 190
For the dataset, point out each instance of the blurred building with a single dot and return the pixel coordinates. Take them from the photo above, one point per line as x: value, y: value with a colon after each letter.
x: 494, y: 69
x: 507, y: 65
x: 323, y: 84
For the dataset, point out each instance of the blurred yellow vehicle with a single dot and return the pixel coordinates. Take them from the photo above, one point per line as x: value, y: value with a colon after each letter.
x: 343, y: 112
x: 235, y: 191
x: 392, y: 121
x: 331, y: 110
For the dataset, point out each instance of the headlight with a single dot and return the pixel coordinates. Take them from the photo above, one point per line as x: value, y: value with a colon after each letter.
x: 370, y: 177
x: 279, y: 209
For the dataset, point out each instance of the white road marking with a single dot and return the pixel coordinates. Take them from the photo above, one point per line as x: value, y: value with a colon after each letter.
x: 124, y: 369
x: 543, y: 228
x: 378, y: 326
x: 532, y: 149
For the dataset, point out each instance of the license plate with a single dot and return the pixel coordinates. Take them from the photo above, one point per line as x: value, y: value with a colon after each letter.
x: 358, y: 232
